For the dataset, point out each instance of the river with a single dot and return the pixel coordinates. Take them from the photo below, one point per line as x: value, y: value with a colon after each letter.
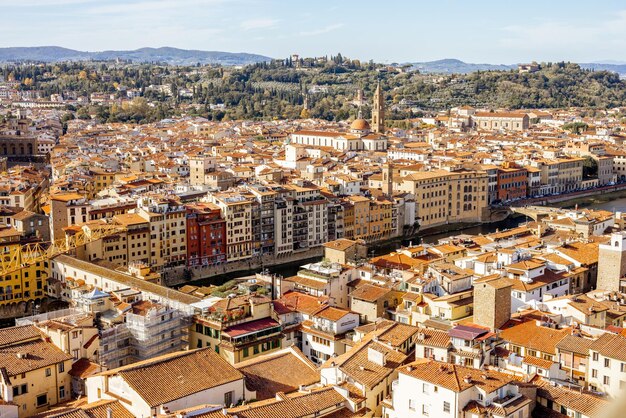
x: 615, y: 202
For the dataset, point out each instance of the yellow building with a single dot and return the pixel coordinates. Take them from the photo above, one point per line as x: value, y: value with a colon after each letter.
x: 25, y: 285
x: 369, y: 220
x: 447, y: 196
x: 35, y: 372
x: 101, y: 180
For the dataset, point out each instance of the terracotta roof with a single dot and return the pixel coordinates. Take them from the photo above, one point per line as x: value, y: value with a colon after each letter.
x: 35, y: 354
x: 369, y: 292
x: 16, y: 334
x: 527, y: 333
x: 454, y: 377
x: 611, y: 345
x: 585, y: 403
x: 538, y: 362
x: 355, y: 363
x: 91, y: 410
x: 341, y: 244
x: 282, y: 371
x: 83, y: 368
x: 574, y: 344
x: 434, y: 338
x: 182, y: 373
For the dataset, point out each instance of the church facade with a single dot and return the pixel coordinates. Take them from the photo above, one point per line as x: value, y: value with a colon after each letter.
x: 361, y: 136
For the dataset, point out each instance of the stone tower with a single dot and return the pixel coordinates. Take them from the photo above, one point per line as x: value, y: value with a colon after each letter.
x: 492, y: 302
x: 612, y: 262
x: 388, y: 179
x: 378, y: 111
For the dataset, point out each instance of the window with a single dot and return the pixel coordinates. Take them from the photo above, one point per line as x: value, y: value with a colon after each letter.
x: 594, y: 373
x: 246, y: 352
x: 425, y: 410
x: 607, y: 362
x: 255, y: 349
x: 446, y: 406
x: 606, y: 380
x: 62, y: 392
x: 48, y: 372
x: 61, y: 367
x: 425, y: 388
x: 228, y: 398
x: 412, y: 404
x: 20, y: 390
x: 42, y: 400
x: 595, y: 356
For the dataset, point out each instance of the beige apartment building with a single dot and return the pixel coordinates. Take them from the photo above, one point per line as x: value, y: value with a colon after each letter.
x: 560, y: 175
x: 201, y: 168
x: 131, y: 245
x: 168, y: 232
x: 506, y: 121
x: 310, y: 216
x: 237, y: 211
x: 66, y: 209
x: 447, y: 195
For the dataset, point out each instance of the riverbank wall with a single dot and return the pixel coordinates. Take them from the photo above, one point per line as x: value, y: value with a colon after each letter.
x: 226, y: 271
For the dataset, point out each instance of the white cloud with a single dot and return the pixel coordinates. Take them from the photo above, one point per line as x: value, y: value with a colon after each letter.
x: 559, y: 39
x: 42, y: 3
x: 323, y: 30
x: 261, y: 23
x: 148, y: 6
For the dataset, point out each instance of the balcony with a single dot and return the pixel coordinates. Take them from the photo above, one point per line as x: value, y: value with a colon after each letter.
x: 505, y: 400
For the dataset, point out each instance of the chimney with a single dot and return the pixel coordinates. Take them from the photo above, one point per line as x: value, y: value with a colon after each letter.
x: 376, y: 356
x: 109, y: 412
x: 467, y: 379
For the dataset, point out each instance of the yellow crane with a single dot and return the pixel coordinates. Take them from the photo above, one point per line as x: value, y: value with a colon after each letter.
x: 32, y: 253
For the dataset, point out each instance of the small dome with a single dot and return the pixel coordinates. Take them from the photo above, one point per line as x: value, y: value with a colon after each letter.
x: 360, y: 125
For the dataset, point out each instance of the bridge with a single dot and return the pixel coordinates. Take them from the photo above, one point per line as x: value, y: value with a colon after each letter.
x: 537, y: 213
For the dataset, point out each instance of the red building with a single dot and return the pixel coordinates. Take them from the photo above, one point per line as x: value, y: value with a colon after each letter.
x: 512, y: 182
x: 206, y: 234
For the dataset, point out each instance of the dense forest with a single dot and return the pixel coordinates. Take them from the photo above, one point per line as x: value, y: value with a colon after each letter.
x: 278, y: 89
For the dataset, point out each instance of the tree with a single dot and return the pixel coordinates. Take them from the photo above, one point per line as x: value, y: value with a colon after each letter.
x: 590, y: 168
x: 575, y: 127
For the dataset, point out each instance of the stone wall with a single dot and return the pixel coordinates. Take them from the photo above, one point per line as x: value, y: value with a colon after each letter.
x: 178, y: 275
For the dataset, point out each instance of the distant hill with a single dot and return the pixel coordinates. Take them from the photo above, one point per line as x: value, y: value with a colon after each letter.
x: 616, y: 68
x: 455, y: 66
x: 166, y: 55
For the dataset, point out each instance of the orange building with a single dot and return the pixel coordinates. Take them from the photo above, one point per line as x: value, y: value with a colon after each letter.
x: 512, y: 182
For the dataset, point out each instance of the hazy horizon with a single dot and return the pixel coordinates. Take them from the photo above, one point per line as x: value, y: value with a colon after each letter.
x: 394, y: 31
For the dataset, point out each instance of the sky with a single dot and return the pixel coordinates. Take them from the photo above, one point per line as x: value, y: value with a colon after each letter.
x: 497, y: 32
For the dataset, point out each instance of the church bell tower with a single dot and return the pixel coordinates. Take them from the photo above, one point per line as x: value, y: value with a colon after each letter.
x: 378, y: 111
